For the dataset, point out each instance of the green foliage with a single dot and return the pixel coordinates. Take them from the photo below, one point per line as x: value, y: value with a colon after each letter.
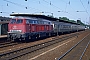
x: 66, y: 19
x: 79, y: 22
x: 72, y: 21
x: 63, y: 18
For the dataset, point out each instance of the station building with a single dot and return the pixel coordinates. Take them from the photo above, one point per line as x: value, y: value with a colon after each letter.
x: 4, y: 25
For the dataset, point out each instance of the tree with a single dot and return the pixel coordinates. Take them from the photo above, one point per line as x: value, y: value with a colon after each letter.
x: 79, y: 22
x: 64, y: 18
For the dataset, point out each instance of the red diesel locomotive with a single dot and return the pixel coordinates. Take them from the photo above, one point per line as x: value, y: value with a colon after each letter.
x: 24, y: 28
x: 29, y: 26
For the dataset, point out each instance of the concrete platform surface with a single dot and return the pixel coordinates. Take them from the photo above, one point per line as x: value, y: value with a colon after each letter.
x: 3, y: 36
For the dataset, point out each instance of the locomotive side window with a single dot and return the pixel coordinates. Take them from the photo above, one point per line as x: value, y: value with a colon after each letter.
x: 35, y: 22
x: 45, y: 22
x: 31, y: 21
x: 41, y: 22
x: 27, y: 21
x: 19, y: 21
x: 13, y: 21
x: 48, y: 22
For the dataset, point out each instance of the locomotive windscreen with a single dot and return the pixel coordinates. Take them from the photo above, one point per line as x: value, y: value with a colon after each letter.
x: 18, y: 21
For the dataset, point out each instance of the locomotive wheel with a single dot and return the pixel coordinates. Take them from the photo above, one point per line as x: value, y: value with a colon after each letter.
x: 27, y: 39
x: 16, y: 40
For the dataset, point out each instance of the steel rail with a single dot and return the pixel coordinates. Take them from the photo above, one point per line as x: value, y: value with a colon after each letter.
x: 23, y: 51
x: 5, y: 43
x: 71, y: 48
x: 84, y: 51
x: 8, y: 44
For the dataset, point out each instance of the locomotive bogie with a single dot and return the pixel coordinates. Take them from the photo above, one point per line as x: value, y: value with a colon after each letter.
x: 14, y: 36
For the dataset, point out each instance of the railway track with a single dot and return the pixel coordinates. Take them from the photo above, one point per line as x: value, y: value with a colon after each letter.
x: 7, y: 44
x: 77, y: 51
x: 23, y: 51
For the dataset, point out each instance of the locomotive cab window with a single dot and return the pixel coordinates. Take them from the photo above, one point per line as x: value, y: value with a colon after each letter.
x: 33, y: 22
x: 19, y: 21
x: 13, y: 21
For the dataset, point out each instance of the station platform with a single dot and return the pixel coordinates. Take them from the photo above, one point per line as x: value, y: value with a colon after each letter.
x: 3, y: 36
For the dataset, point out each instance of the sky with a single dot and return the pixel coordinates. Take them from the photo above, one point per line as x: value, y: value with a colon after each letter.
x: 59, y: 8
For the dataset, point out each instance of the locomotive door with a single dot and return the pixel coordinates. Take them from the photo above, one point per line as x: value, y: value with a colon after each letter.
x: 33, y: 26
x: 28, y: 26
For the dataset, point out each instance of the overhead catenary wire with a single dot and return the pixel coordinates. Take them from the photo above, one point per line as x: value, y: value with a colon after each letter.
x: 84, y: 7
x: 59, y: 8
x: 68, y: 4
x: 52, y: 4
x: 44, y: 6
x: 87, y: 5
x: 26, y: 7
x: 21, y: 5
x: 88, y: 1
x: 77, y: 10
x: 2, y: 10
x: 49, y: 2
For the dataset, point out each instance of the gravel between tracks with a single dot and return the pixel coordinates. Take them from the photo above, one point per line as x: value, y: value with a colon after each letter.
x: 55, y: 51
x: 22, y: 45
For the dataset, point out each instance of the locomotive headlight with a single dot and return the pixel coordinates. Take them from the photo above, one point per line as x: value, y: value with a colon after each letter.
x: 19, y: 30
x: 15, y: 30
x: 10, y: 30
